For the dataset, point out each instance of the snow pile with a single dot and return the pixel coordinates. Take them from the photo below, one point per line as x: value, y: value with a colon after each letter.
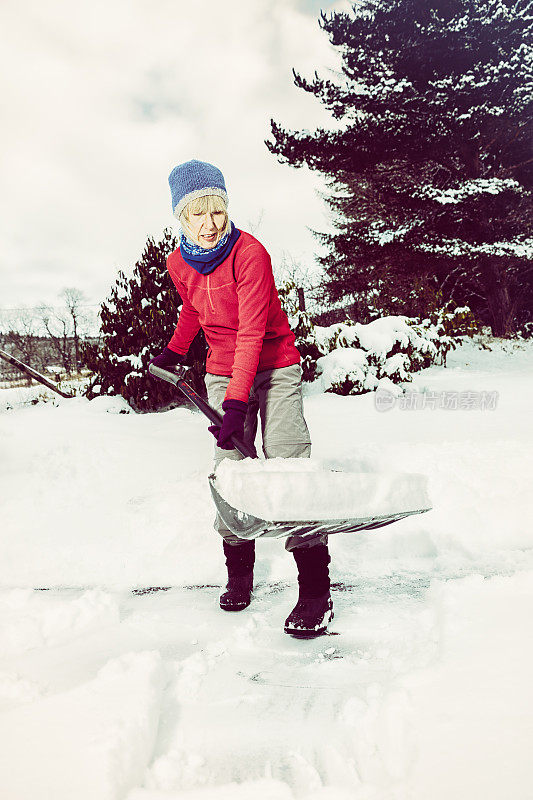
x: 470, y: 708
x: 424, y: 688
x: 19, y: 396
x: 266, y: 789
x: 29, y: 620
x: 93, y: 741
x: 112, y: 404
x: 15, y: 690
x: 282, y: 489
x: 94, y: 496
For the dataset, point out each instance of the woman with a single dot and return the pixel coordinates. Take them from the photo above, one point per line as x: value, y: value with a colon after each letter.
x: 224, y: 278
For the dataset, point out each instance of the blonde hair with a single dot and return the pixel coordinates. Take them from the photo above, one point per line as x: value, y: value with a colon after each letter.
x: 208, y: 204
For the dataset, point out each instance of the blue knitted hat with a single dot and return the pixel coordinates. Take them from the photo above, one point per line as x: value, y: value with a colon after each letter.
x: 195, y: 179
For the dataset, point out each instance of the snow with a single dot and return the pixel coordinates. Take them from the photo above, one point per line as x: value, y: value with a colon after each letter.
x: 280, y: 489
x: 92, y: 741
x: 344, y: 363
x: 351, y: 369
x: 521, y: 247
x: 18, y: 397
x: 423, y: 689
x: 468, y: 188
x: 380, y: 335
x: 339, y: 333
x: 133, y: 359
x: 28, y: 620
x: 361, y: 369
x: 399, y: 365
x: 377, y: 232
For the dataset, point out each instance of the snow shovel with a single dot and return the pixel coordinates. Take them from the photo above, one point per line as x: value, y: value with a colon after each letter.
x: 247, y: 525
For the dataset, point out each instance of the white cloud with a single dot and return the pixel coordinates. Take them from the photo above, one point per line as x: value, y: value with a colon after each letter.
x: 102, y: 98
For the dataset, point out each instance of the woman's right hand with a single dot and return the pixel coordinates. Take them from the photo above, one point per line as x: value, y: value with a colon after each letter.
x: 168, y: 358
x: 232, y: 424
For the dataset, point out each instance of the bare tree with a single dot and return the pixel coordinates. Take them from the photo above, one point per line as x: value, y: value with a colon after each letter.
x: 22, y: 336
x: 73, y: 299
x: 305, y: 283
x: 252, y: 226
x: 65, y: 327
x: 57, y: 325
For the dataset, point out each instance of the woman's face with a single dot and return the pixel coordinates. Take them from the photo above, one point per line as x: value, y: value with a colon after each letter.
x: 207, y: 228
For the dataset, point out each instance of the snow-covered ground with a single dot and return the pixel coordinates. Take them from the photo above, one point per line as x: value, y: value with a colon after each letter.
x: 422, y: 690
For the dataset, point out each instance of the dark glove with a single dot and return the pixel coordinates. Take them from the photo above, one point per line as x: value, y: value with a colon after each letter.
x: 168, y: 358
x: 232, y: 423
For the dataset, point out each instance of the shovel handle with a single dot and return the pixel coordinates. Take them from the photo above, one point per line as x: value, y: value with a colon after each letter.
x: 176, y: 377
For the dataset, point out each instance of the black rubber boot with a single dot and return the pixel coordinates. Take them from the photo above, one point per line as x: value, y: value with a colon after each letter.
x: 314, y: 610
x: 240, y: 563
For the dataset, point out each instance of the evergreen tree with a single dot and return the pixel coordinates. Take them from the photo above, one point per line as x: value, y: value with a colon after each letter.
x: 137, y: 322
x: 430, y: 167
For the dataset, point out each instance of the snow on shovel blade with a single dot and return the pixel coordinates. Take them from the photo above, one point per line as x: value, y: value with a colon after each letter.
x: 248, y: 526
x: 259, y: 503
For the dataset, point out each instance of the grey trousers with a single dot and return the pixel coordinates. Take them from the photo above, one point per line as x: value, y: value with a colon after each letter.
x: 276, y: 395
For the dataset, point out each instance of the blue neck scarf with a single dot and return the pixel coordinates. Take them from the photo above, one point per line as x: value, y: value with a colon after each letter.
x: 205, y: 260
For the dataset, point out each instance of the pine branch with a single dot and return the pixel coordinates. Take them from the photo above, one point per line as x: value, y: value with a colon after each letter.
x: 515, y: 166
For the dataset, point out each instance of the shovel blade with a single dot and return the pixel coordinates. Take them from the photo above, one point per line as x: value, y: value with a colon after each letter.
x: 248, y: 526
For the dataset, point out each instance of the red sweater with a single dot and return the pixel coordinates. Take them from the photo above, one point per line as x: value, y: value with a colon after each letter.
x: 238, y: 308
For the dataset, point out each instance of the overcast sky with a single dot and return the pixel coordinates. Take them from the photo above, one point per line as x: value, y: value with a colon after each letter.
x: 101, y: 99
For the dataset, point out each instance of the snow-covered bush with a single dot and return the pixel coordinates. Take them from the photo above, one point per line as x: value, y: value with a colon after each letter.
x: 351, y: 357
x: 360, y: 358
x: 445, y: 325
x: 137, y: 322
